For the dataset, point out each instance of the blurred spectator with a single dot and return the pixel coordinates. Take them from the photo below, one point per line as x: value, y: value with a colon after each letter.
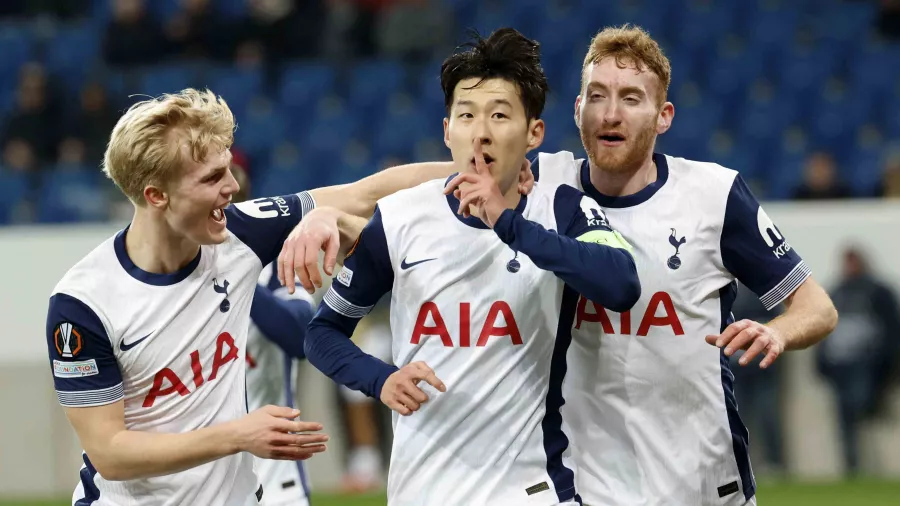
x: 19, y: 156
x: 89, y: 127
x: 758, y: 391
x: 890, y: 180
x: 858, y: 357
x: 34, y: 120
x: 286, y: 29
x: 352, y: 27
x: 199, y: 31
x: 133, y: 37
x: 820, y: 180
x: 414, y: 30
x: 65, y: 9
x: 889, y: 18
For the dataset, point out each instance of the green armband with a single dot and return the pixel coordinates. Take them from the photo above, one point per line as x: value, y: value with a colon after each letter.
x: 612, y: 239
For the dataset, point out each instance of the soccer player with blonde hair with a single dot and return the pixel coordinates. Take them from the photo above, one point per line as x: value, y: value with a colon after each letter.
x: 147, y: 334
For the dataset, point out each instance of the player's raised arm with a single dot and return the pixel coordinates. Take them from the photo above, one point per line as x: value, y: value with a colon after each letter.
x: 89, y: 387
x: 366, y: 276
x: 359, y: 198
x: 264, y: 224
x: 586, y: 253
x: 757, y: 254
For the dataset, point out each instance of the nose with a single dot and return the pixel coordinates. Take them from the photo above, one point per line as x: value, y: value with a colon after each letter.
x: 612, y: 114
x: 482, y: 133
x: 231, y: 185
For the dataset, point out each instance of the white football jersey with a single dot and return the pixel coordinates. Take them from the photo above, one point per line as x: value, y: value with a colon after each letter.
x: 487, y: 320
x: 650, y: 403
x: 172, y: 346
x: 271, y: 376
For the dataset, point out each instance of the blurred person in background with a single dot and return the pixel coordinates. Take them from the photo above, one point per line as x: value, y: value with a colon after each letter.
x: 820, y: 180
x: 890, y: 178
x: 35, y: 119
x: 889, y: 18
x: 200, y: 32
x: 89, y: 126
x: 413, y: 30
x: 858, y: 358
x: 133, y: 37
x: 278, y: 322
x: 758, y: 391
x: 283, y: 29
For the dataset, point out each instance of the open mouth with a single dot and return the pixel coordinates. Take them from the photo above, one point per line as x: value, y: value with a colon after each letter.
x: 218, y: 215
x: 612, y: 139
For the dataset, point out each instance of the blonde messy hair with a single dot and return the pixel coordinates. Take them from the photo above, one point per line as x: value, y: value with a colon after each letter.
x: 145, y: 146
x: 630, y: 44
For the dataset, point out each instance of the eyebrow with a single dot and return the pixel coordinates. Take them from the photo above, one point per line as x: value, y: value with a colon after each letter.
x: 624, y: 90
x: 500, y: 101
x: 219, y: 168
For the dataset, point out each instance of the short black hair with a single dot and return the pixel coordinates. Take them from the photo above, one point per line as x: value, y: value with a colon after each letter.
x: 506, y: 54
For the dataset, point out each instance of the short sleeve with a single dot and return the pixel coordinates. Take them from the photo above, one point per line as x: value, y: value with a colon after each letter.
x: 263, y: 224
x: 367, y: 273
x: 580, y: 217
x: 85, y: 371
x: 756, y: 252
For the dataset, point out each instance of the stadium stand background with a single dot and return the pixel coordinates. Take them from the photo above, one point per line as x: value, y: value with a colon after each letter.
x: 801, y: 96
x: 325, y: 94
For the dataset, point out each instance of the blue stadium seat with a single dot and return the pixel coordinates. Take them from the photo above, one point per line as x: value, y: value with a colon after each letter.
x: 702, y: 24
x: 373, y: 82
x: 16, y: 48
x: 71, y: 54
x: 303, y: 84
x: 844, y: 21
x: 167, y: 79
x: 237, y: 86
x: 260, y: 129
x: 870, y: 71
x: 771, y: 26
x: 325, y: 139
x: 13, y: 192
x: 73, y: 196
x: 764, y: 118
x: 398, y: 132
x: 729, y: 74
x: 803, y: 69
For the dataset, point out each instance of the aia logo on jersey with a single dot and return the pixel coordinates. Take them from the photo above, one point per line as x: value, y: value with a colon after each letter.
x: 660, y: 302
x: 68, y: 340
x: 674, y: 262
x: 499, y: 310
x: 166, y: 382
x: 225, y: 305
x: 770, y: 234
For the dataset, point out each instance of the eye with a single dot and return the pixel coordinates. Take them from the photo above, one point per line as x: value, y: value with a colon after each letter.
x: 500, y: 115
x: 466, y: 115
x: 632, y: 100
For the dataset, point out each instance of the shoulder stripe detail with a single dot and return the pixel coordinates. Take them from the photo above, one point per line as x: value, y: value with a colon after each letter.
x: 342, y: 306
x: 87, y: 398
x: 307, y: 203
x: 786, y: 286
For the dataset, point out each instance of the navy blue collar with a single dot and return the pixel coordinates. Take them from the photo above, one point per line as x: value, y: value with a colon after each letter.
x: 151, y: 278
x: 474, y: 221
x: 662, y: 174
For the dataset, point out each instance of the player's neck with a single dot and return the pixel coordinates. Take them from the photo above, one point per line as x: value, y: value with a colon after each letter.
x: 153, y: 247
x: 620, y: 184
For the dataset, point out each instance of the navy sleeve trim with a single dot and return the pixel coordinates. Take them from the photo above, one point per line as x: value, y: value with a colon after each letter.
x: 344, y: 307
x: 786, y: 287
x: 307, y: 203
x: 89, y: 398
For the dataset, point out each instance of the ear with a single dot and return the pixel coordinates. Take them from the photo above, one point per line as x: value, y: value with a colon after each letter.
x: 665, y: 117
x: 447, y: 132
x: 156, y: 197
x: 535, y: 133
x: 578, y: 111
